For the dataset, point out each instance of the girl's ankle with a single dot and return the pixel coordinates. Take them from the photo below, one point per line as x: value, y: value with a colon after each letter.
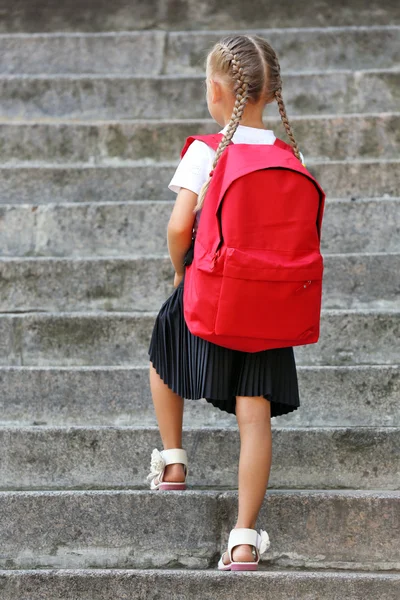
x: 243, y: 553
x: 174, y: 473
x: 247, y: 526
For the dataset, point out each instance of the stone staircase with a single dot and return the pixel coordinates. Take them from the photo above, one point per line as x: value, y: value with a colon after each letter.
x: 92, y: 117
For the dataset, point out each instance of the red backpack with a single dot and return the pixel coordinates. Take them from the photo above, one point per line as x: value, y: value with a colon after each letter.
x: 255, y: 281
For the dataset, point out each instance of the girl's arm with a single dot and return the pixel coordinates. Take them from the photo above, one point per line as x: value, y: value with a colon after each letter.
x: 180, y: 228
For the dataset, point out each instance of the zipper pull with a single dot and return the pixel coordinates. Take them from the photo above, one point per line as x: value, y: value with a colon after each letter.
x: 215, y: 258
x: 304, y: 286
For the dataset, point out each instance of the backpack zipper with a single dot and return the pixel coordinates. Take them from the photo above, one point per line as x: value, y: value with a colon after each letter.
x: 215, y: 258
x: 305, y: 285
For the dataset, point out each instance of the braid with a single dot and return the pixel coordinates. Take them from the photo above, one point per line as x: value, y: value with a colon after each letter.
x: 241, y: 89
x: 282, y: 109
x: 285, y: 121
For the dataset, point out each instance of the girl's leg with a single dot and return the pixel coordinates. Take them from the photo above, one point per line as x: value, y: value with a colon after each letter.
x: 254, y: 419
x: 169, y: 412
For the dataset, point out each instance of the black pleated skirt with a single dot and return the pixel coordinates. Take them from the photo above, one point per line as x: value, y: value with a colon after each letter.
x: 195, y: 368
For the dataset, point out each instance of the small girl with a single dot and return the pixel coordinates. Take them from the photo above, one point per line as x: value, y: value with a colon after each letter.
x: 242, y: 76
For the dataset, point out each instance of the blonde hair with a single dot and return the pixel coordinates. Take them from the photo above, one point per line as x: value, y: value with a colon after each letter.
x: 251, y: 67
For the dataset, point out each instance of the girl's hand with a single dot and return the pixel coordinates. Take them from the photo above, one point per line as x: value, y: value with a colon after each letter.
x: 177, y: 279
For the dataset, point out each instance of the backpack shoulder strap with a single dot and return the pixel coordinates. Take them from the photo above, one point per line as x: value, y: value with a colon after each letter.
x: 281, y: 144
x: 212, y: 140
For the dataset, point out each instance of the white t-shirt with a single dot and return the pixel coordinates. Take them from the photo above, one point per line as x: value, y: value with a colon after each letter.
x: 195, y: 166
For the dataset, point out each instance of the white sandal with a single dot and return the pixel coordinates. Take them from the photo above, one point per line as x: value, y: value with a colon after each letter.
x: 159, y: 460
x: 239, y: 536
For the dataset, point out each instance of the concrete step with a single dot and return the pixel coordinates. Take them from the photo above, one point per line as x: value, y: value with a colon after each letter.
x: 168, y: 96
x: 128, y: 53
x: 329, y: 48
x: 346, y: 224
x: 121, y: 529
x: 182, y: 52
x: 142, y: 283
x: 123, y: 16
x: 141, y: 180
x: 103, y: 143
x: 177, y: 584
x: 86, y: 339
x: 120, y: 230
x: 120, y: 396
x: 82, y: 457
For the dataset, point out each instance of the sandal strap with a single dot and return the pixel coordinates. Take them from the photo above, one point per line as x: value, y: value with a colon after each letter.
x: 159, y: 460
x: 242, y: 536
x: 176, y: 455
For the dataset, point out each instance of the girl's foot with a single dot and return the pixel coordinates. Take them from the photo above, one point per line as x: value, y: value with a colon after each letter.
x: 242, y: 553
x: 245, y: 547
x: 168, y: 469
x: 173, y: 473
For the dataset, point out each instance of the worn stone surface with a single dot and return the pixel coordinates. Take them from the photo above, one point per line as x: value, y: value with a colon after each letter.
x: 326, y: 529
x: 123, y: 53
x: 166, y: 97
x: 124, y: 284
x: 140, y: 284
x: 107, y: 529
x: 81, y: 230
x: 99, y: 15
x: 177, y: 585
x: 67, y: 339
x: 110, y: 457
x: 155, y: 52
x: 84, y: 183
x: 78, y: 183
x: 298, y: 49
x: 353, y: 529
x: 10, y: 341
x: 340, y: 137
x: 361, y: 281
x: 352, y: 226
x: 140, y: 228
x: 330, y: 396
x: 354, y: 337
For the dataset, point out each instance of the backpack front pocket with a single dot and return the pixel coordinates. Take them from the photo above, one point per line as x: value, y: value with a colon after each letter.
x: 268, y: 296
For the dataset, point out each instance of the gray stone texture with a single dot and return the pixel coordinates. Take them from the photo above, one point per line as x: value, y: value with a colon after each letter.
x: 124, y: 53
x: 100, y: 15
x: 361, y: 225
x: 118, y: 457
x: 139, y: 284
x: 86, y: 183
x: 298, y: 50
x: 109, y: 584
x: 105, y: 143
x: 140, y: 228
x: 158, y: 52
x: 108, y: 529
x: 142, y: 284
x: 329, y: 529
x: 66, y: 339
x: 182, y: 52
x: 361, y: 281
x: 98, y: 529
x: 122, y: 182
x: 165, y: 97
x: 120, y: 396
